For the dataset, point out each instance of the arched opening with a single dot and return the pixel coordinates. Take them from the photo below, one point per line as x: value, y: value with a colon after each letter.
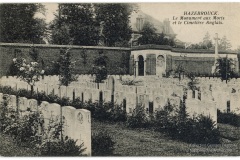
x: 140, y: 65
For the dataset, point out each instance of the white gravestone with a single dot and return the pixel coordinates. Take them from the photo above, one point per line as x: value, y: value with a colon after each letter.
x: 235, y: 103
x: 44, y: 111
x: 107, y: 96
x: 68, y: 119
x: 12, y: 102
x: 118, y: 97
x: 33, y: 105
x: 22, y: 104
x: 83, y: 129
x: 55, y: 111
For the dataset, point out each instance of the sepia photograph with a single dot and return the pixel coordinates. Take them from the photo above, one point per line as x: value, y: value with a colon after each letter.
x: 119, y: 79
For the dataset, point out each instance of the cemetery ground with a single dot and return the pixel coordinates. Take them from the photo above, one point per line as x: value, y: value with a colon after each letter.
x: 142, y: 142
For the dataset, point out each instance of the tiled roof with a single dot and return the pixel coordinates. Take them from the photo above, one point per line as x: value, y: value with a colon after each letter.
x: 147, y: 18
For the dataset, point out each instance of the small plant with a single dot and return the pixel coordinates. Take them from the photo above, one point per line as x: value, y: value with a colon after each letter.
x: 100, y: 68
x: 192, y: 84
x: 224, y: 68
x: 29, y: 73
x: 102, y: 144
x: 66, y: 68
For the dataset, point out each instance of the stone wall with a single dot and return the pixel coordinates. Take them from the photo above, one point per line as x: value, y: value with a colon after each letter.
x: 48, y: 53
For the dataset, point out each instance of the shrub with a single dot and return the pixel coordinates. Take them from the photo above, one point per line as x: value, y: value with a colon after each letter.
x: 67, y: 147
x: 102, y: 144
x: 118, y: 114
x: 228, y: 118
x: 101, y: 112
x: 6, y: 117
x: 25, y: 129
x: 178, y: 125
x: 138, y: 119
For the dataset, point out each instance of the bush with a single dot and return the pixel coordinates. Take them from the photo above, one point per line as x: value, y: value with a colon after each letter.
x: 6, y: 114
x: 102, y: 144
x: 25, y: 129
x: 138, y: 119
x: 118, y: 114
x: 67, y: 147
x: 228, y: 118
x: 101, y: 111
x: 178, y: 125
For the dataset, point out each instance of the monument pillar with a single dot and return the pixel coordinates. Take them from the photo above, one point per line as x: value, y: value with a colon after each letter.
x: 216, y: 53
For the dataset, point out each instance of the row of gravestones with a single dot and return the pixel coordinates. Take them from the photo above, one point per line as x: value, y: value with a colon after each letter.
x: 82, y: 90
x: 129, y: 96
x: 195, y: 107
x: 223, y: 95
x: 224, y: 101
x: 76, y: 122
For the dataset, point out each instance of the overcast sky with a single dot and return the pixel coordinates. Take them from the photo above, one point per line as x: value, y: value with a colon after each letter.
x: 189, y: 33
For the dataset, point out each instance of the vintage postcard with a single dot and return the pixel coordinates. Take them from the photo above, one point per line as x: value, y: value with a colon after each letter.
x: 119, y: 79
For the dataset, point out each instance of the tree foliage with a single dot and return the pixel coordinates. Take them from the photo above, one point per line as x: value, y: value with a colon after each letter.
x: 224, y: 68
x: 66, y: 68
x: 100, y: 67
x: 74, y: 24
x: 115, y: 17
x: 18, y: 24
x: 224, y: 44
x: 207, y: 42
x: 149, y: 36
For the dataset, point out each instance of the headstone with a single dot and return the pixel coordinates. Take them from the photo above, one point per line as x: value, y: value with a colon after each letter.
x: 55, y: 111
x: 44, y: 111
x: 159, y: 102
x: 68, y: 119
x: 13, y: 102
x: 83, y: 129
x: 33, y: 105
x: 63, y: 90
x: 235, y: 103
x: 175, y: 101
x: 118, y: 97
x: 192, y: 107
x: 107, y: 96
x: 22, y: 104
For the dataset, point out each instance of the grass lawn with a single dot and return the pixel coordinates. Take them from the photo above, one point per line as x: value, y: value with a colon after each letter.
x: 133, y: 142
x: 9, y: 148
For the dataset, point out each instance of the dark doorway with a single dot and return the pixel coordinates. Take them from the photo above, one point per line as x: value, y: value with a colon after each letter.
x: 140, y: 66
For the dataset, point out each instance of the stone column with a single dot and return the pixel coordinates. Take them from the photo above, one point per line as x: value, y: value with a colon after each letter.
x: 136, y: 67
x: 145, y: 63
